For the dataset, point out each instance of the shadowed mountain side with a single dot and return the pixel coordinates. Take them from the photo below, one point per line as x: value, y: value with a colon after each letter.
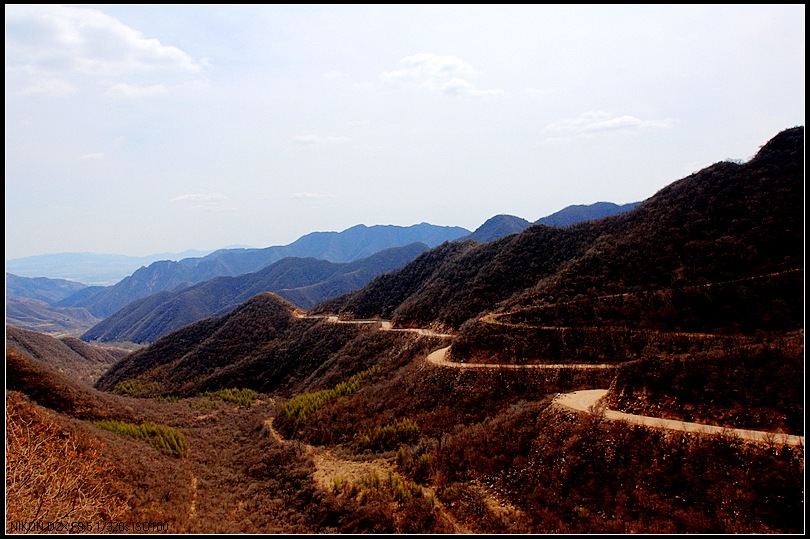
x: 352, y: 244
x: 260, y: 345
x: 468, y: 279
x: 36, y: 315
x: 197, y: 350
x: 67, y: 355
x: 304, y: 281
x: 383, y: 294
x: 48, y: 290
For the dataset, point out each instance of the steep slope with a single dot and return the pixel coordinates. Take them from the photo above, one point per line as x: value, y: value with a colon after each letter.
x: 304, y: 281
x: 36, y: 315
x: 67, y: 355
x: 347, y: 246
x: 48, y: 290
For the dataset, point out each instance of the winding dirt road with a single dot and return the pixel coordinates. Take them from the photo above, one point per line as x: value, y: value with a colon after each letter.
x: 582, y: 401
x: 439, y: 357
x: 587, y: 400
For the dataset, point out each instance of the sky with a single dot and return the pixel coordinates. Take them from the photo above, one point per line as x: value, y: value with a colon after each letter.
x: 143, y: 129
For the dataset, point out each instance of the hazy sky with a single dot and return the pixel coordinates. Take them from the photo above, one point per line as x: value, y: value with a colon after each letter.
x: 145, y: 129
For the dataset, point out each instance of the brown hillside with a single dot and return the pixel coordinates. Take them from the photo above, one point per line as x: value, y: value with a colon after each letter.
x: 67, y: 355
x: 58, y: 391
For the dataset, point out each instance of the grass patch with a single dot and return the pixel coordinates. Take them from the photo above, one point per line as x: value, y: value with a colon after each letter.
x: 136, y: 388
x: 240, y: 397
x: 161, y: 437
x: 393, y: 488
x: 300, y: 407
x: 388, y: 437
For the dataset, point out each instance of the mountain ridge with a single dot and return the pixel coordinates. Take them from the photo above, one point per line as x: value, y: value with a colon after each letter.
x: 305, y: 281
x: 343, y: 246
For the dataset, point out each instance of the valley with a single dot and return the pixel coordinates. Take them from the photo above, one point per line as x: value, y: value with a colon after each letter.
x: 637, y: 373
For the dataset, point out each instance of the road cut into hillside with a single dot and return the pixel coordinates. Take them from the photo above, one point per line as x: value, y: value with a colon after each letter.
x: 587, y: 400
x: 439, y: 357
x: 582, y: 401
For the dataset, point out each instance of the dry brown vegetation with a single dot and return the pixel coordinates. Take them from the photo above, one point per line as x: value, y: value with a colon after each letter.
x: 54, y: 474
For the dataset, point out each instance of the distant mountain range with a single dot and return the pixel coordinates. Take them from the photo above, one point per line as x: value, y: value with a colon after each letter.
x: 351, y: 244
x: 88, y: 268
x: 50, y: 291
x: 503, y: 225
x: 304, y: 281
x: 169, y: 277
x: 578, y: 213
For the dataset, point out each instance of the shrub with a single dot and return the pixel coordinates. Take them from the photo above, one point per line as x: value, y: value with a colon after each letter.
x: 300, y: 407
x: 136, y: 388
x: 160, y: 437
x: 240, y: 397
x: 387, y: 437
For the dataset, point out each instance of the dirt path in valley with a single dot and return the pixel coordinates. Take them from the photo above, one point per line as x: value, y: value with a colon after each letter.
x: 329, y: 466
x: 331, y: 470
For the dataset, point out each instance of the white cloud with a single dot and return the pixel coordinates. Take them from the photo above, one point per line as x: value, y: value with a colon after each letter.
x: 592, y: 122
x: 128, y: 91
x: 311, y: 196
x: 51, y: 38
x: 208, y: 201
x: 49, y: 87
x: 305, y: 140
x: 446, y: 75
x: 426, y: 65
x: 98, y: 156
x: 462, y: 87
